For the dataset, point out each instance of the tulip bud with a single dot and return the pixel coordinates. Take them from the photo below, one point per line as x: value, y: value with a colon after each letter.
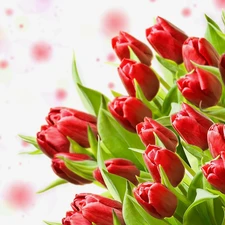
x: 200, y: 51
x: 146, y: 78
x: 216, y: 139
x: 60, y: 169
x: 121, y: 167
x: 73, y: 123
x: 166, y: 39
x: 201, y: 88
x: 214, y: 172
x: 156, y: 199
x: 192, y: 126
x: 170, y: 162
x: 149, y: 127
x: 51, y: 141
x: 75, y: 218
x: 222, y: 67
x: 97, y: 209
x: 129, y: 111
x: 120, y: 45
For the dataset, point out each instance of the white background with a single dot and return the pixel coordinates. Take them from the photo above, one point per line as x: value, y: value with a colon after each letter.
x: 37, y: 39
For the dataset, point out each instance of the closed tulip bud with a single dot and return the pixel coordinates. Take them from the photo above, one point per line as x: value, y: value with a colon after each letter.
x: 170, y: 162
x: 222, y: 67
x: 216, y: 139
x: 214, y: 172
x: 73, y: 123
x: 149, y: 127
x: 192, y: 126
x: 156, y: 199
x: 120, y: 45
x: 60, y: 169
x: 166, y: 39
x: 121, y: 167
x: 51, y: 141
x: 129, y: 111
x: 201, y: 88
x: 146, y: 78
x: 73, y: 218
x: 97, y: 209
x: 200, y: 51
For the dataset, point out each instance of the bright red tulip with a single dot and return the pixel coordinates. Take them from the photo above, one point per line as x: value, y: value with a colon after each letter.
x: 192, y: 126
x: 120, y: 45
x: 222, y: 67
x: 149, y: 127
x: 129, y: 111
x: 166, y: 39
x: 145, y: 77
x: 73, y: 218
x: 200, y: 51
x: 156, y: 199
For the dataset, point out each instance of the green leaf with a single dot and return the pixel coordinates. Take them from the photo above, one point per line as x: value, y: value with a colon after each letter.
x: 115, y: 219
x: 76, y: 148
x: 133, y: 55
x: 209, y: 20
x: 168, y: 64
x: 51, y: 223
x: 216, y: 112
x: 30, y: 140
x: 116, y: 94
x: 93, y: 142
x: 223, y: 16
x: 118, y: 140
x: 164, y: 120
x: 52, y: 185
x: 35, y: 152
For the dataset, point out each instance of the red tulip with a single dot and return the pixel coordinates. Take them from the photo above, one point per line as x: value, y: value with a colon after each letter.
x: 73, y: 218
x: 120, y: 45
x: 149, y: 127
x: 216, y: 139
x: 156, y: 199
x: 200, y: 51
x: 60, y: 169
x: 146, y: 78
x: 72, y: 123
x: 214, y: 172
x: 121, y: 167
x: 97, y: 209
x: 170, y: 162
x: 166, y: 39
x: 192, y: 126
x: 222, y: 67
x: 129, y: 111
x: 51, y: 141
x: 200, y: 88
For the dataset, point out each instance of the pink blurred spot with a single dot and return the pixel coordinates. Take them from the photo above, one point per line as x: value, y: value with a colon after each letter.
x: 41, y: 51
x: 20, y: 195
x: 60, y: 94
x: 111, y: 57
x: 3, y: 64
x: 186, y: 12
x: 219, y: 3
x: 24, y: 143
x: 9, y: 12
x: 111, y: 85
x: 152, y: 0
x: 21, y: 26
x: 97, y: 59
x: 114, y: 21
x: 35, y: 6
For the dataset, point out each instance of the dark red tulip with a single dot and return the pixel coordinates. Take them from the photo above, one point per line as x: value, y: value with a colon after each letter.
x: 97, y: 209
x: 192, y: 126
x: 201, y: 88
x: 200, y: 51
x: 51, y: 141
x: 166, y: 39
x: 149, y: 127
x: 222, y: 67
x: 146, y: 78
x: 120, y: 45
x: 170, y: 162
x: 73, y: 218
x: 129, y: 111
x: 156, y: 199
x: 121, y: 167
x: 214, y: 172
x: 60, y: 169
x: 216, y: 139
x: 72, y: 123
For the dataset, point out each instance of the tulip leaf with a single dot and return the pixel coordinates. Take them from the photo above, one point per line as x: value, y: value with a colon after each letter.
x: 223, y: 17
x: 216, y: 112
x: 164, y: 120
x: 92, y: 141
x: 55, y: 183
x: 35, y: 152
x: 30, y: 140
x: 133, y: 55
x: 51, y: 223
x: 115, y: 219
x: 118, y: 140
x: 116, y: 94
x: 215, y: 36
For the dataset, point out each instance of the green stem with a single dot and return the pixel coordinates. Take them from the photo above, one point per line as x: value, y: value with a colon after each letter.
x: 178, y: 217
x: 182, y: 189
x: 187, y: 167
x: 157, y: 103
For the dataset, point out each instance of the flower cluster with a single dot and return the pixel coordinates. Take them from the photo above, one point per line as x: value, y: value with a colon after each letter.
x: 159, y: 151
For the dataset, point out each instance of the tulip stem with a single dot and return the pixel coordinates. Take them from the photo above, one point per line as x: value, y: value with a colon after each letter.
x: 157, y: 103
x: 182, y: 189
x: 187, y: 167
x: 178, y: 217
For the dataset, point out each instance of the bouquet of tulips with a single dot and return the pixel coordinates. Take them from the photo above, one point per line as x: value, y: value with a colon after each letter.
x: 159, y: 150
